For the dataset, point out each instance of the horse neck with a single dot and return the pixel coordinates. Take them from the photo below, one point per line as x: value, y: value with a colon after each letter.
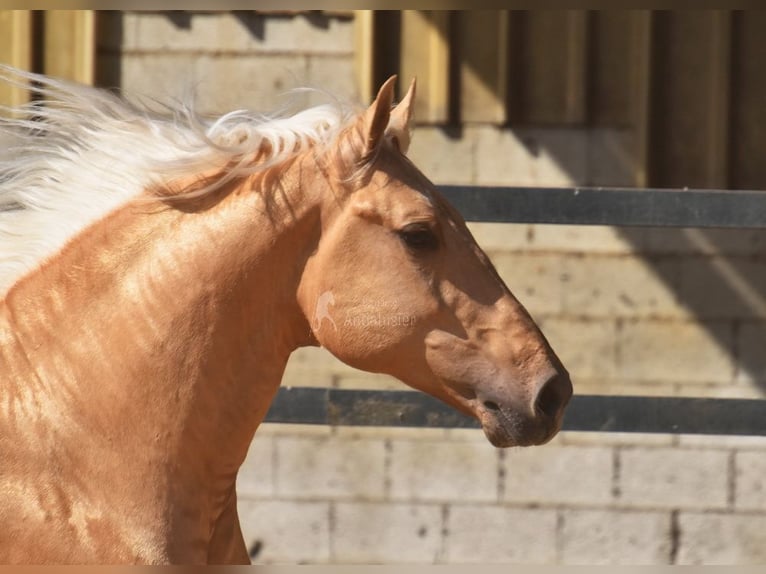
x: 167, y: 331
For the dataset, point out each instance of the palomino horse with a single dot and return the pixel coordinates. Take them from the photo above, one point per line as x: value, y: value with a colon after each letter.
x: 161, y: 269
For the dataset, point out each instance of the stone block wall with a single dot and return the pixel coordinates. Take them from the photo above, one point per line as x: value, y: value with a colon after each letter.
x: 431, y: 496
x: 630, y: 311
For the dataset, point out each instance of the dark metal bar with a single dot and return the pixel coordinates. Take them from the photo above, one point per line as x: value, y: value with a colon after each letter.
x: 610, y: 206
x: 677, y: 415
x: 576, y: 206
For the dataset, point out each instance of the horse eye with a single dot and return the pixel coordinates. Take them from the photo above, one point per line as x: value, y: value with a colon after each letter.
x: 418, y: 236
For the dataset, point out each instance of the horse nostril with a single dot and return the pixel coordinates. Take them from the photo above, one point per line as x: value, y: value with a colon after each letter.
x: 554, y: 396
x: 492, y: 405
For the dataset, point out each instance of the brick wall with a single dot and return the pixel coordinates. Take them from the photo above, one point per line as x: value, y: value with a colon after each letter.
x: 230, y: 59
x: 630, y: 311
x: 374, y: 495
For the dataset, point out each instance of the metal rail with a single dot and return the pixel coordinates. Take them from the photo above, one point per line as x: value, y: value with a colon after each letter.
x: 610, y: 206
x: 574, y: 206
x: 678, y: 415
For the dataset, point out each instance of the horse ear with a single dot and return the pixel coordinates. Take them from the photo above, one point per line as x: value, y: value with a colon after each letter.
x: 378, y: 114
x: 399, y: 125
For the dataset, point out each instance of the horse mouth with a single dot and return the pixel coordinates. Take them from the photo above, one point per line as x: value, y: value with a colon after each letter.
x: 505, y: 425
x: 504, y: 428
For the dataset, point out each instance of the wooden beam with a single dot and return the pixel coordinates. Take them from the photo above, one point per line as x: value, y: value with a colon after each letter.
x: 747, y: 168
x: 576, y: 61
x: 641, y: 91
x: 15, y: 50
x: 70, y: 44
x: 720, y: 94
x: 612, y: 60
x: 364, y: 53
x: 425, y: 54
x: 482, y: 37
x: 553, y: 70
x: 691, y: 110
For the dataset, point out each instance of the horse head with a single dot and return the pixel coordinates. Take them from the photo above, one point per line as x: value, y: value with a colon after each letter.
x: 415, y: 297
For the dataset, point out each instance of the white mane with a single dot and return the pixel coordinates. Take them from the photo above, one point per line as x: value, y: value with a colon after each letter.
x: 85, y: 151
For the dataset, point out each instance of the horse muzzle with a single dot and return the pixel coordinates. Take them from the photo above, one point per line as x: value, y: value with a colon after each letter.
x: 525, y: 423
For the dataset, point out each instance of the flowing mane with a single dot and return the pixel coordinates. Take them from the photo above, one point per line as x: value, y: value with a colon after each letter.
x: 85, y: 151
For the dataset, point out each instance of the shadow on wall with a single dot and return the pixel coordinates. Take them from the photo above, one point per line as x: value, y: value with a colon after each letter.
x: 705, y: 128
x: 719, y: 276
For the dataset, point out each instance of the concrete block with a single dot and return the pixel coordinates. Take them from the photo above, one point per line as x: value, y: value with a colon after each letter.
x: 333, y: 75
x: 148, y: 31
x: 259, y: 83
x: 677, y: 351
x: 535, y: 279
x: 723, y: 287
x: 494, y: 534
x: 559, y: 475
x: 297, y: 376
x: 583, y: 438
x: 372, y: 381
x: 588, y: 239
x: 325, y: 467
x: 613, y: 537
x: 370, y: 533
x: 501, y: 236
x: 321, y: 359
x: 294, y: 430
x: 534, y: 157
x: 241, y: 31
x: 308, y: 34
x: 698, y: 241
x: 724, y: 390
x: 612, y: 157
x: 751, y: 367
x: 619, y: 386
x: 220, y: 84
x: 429, y: 471
x: 728, y: 539
x: 256, y: 475
x: 164, y: 77
x: 750, y: 481
x: 673, y: 478
x: 169, y: 31
x: 473, y: 435
x: 722, y: 442
x: 620, y: 286
x: 286, y: 532
x: 442, y: 156
x: 394, y: 433
x: 588, y: 349
x: 317, y: 367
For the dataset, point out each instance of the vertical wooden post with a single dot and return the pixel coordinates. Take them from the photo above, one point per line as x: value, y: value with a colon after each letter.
x: 364, y: 53
x: 576, y: 62
x: 425, y: 55
x: 70, y: 37
x: 483, y: 44
x: 15, y: 50
x: 641, y: 91
x: 552, y: 83
x: 720, y: 86
x: 691, y: 111
x: 747, y: 168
